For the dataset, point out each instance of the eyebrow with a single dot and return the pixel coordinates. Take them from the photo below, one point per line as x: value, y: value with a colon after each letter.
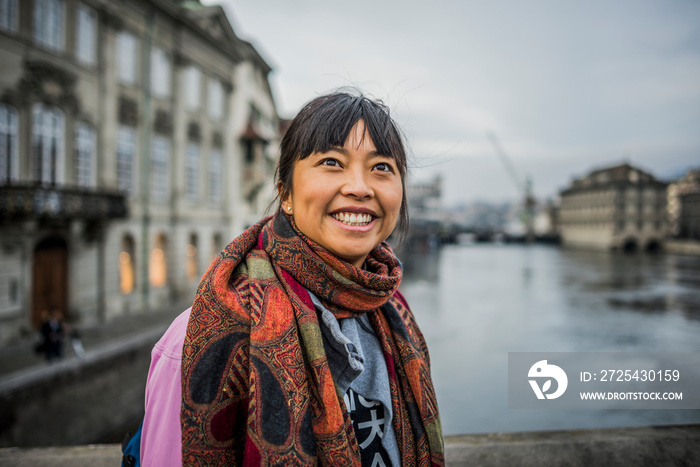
x: 344, y: 152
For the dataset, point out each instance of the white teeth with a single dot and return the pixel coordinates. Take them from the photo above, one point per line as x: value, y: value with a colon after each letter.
x: 353, y: 218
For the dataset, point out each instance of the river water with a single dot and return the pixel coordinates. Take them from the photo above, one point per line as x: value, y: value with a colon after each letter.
x: 476, y: 303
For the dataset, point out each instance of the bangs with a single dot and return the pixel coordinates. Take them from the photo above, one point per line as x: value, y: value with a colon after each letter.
x: 329, y: 126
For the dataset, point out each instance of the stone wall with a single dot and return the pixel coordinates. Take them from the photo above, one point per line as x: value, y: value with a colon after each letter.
x: 670, y: 445
x: 78, y: 401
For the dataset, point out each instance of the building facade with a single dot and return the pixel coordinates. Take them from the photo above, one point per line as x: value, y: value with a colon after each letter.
x: 620, y: 207
x: 688, y: 184
x: 137, y: 138
x: 689, y: 217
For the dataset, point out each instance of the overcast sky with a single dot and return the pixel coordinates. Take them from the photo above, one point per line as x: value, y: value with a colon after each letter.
x: 567, y: 86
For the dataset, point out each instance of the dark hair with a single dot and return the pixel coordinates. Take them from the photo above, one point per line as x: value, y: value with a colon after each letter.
x: 325, y: 123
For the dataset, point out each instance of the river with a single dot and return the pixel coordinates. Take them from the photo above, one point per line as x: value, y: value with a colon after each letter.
x: 476, y: 303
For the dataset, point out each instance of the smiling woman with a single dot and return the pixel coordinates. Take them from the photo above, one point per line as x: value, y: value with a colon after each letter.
x: 299, y: 349
x: 348, y: 198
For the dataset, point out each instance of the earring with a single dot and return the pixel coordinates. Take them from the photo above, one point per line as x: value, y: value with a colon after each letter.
x: 289, y: 208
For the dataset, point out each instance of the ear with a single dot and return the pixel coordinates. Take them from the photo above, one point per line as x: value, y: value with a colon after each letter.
x: 286, y: 203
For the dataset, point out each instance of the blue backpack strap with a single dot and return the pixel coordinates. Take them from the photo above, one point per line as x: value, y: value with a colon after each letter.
x: 131, y: 448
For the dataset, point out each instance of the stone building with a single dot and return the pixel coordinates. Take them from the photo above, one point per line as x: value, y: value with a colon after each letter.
x: 688, y: 184
x: 620, y: 207
x: 137, y: 138
x: 689, y: 216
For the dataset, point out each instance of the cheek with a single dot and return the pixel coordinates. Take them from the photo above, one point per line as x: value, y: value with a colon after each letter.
x: 393, y: 202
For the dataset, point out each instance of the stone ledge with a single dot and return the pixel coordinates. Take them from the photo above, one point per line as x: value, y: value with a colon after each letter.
x: 657, y: 446
x: 663, y: 445
x: 96, y: 455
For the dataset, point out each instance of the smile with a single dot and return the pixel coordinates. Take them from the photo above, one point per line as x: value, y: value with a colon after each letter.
x: 351, y: 218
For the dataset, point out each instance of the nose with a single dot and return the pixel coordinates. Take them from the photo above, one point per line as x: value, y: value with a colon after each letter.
x: 357, y: 184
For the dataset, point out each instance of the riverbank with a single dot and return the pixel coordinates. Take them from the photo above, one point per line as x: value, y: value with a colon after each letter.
x: 653, y: 446
x: 682, y: 247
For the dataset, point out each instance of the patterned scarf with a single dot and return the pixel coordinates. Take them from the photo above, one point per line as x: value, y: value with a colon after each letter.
x: 256, y: 385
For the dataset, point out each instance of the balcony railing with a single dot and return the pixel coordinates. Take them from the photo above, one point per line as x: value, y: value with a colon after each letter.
x: 36, y: 201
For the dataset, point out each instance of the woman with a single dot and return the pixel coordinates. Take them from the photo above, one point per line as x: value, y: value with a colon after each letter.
x: 299, y: 348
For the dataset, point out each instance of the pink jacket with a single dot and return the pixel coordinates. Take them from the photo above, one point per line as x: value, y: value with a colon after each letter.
x: 161, y: 439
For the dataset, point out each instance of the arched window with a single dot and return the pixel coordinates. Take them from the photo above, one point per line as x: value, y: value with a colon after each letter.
x: 193, y: 87
x: 8, y: 15
x: 127, y: 58
x: 47, y: 144
x: 9, y: 159
x: 160, y: 150
x: 191, y: 257
x: 215, y: 176
x: 160, y: 72
x: 126, y: 155
x: 158, y: 267
x: 127, y: 265
x: 85, y: 34
x: 84, y: 155
x: 192, y: 172
x: 48, y: 23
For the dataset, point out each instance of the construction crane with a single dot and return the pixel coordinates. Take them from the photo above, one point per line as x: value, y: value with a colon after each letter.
x: 524, y: 189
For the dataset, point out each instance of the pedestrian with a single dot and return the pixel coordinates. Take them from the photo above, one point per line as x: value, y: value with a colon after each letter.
x: 52, y: 330
x: 77, y: 344
x: 299, y: 348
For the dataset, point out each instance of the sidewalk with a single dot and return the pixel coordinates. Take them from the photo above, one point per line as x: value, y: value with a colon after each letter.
x: 21, y: 358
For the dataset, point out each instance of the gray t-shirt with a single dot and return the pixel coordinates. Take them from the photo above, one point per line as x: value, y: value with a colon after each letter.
x: 359, y: 369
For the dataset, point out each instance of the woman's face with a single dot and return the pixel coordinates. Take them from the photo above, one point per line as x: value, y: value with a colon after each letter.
x: 347, y: 199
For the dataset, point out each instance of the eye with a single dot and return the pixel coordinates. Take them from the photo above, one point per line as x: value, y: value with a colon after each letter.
x: 384, y: 167
x: 329, y: 162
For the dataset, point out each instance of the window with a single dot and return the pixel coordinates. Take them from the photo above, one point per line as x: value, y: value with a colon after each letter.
x: 47, y: 144
x: 191, y: 258
x: 127, y: 266
x: 85, y: 34
x: 48, y: 23
x: 126, y: 155
x: 249, y: 150
x: 215, y: 245
x: 126, y: 57
x: 215, y: 168
x: 84, y: 154
x: 255, y: 115
x: 192, y: 87
x: 8, y: 15
x: 216, y: 99
x: 192, y: 172
x: 160, y: 72
x: 160, y: 147
x: 158, y: 267
x: 9, y: 159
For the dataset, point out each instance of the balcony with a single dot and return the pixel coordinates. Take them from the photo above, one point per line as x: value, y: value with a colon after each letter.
x: 60, y: 202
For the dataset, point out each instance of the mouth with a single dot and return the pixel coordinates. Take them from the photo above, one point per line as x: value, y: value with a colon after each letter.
x: 353, y: 218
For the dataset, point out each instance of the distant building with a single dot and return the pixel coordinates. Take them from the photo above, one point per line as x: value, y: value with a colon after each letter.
x: 425, y: 211
x: 688, y: 184
x: 425, y: 200
x: 689, y: 216
x: 620, y: 207
x: 136, y: 139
